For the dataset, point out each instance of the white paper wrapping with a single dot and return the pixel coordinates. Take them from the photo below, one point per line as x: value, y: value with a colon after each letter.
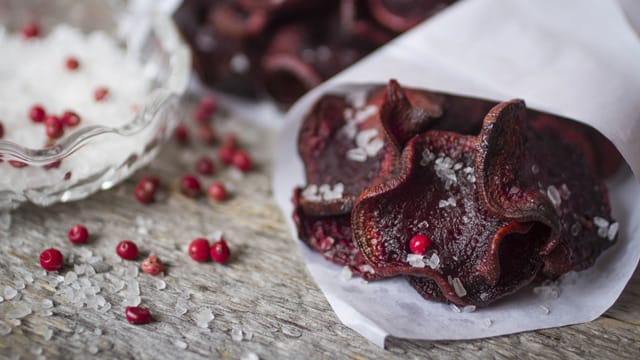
x: 575, y: 58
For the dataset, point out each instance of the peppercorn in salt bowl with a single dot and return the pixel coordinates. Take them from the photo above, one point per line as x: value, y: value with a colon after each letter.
x: 89, y: 92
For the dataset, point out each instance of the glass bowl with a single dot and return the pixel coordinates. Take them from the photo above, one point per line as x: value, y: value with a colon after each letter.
x: 98, y: 157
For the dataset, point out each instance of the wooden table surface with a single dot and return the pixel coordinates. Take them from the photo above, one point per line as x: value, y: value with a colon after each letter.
x: 265, y: 291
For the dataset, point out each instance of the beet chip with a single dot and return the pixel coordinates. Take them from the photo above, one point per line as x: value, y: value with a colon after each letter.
x: 505, y: 195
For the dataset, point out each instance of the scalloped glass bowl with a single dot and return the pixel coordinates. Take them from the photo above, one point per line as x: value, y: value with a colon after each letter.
x: 98, y: 157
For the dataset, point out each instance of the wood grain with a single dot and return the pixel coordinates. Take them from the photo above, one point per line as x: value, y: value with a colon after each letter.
x: 265, y: 290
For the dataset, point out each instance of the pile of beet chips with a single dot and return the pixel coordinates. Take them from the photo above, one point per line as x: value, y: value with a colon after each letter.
x: 287, y: 47
x: 505, y: 196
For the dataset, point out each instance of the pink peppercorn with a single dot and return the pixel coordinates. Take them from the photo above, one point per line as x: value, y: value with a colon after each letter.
x: 37, y: 113
x: 220, y: 251
x: 190, y: 186
x: 217, y: 191
x: 53, y: 127
x: 51, y: 259
x: 419, y: 244
x: 127, y: 250
x: 30, y: 30
x: 204, y: 166
x: 152, y: 265
x: 137, y: 315
x: 72, y: 63
x: 78, y: 234
x: 70, y: 118
x: 101, y: 93
x: 241, y: 161
x: 199, y: 249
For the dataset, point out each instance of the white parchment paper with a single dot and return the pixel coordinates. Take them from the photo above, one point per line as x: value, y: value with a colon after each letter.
x: 575, y: 58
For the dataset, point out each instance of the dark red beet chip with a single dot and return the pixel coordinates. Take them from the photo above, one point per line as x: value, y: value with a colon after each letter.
x: 499, y: 205
x: 331, y: 237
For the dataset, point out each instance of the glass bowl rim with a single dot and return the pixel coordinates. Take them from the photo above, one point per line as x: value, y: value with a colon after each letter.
x: 175, y: 86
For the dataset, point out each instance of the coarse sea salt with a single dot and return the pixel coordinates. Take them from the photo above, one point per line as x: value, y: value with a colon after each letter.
x: 34, y: 72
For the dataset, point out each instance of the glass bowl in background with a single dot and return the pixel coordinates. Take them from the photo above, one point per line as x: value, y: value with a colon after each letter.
x: 98, y: 157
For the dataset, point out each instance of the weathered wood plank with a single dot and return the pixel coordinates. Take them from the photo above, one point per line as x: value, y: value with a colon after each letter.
x: 265, y: 290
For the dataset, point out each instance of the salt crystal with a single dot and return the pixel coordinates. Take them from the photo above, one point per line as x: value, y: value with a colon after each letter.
x: 603, y: 232
x: 444, y: 170
x: 105, y: 308
x: 19, y: 284
x: 10, y: 293
x: 101, y: 267
x: 311, y: 192
x: 357, y: 99
x: 160, y: 284
x: 180, y: 344
x: 613, y: 231
x: 457, y: 286
x: 535, y: 169
x: 548, y: 290
x: 18, y: 311
x: 250, y: 356
x: 488, y: 323
x: 432, y: 261
x: 554, y: 195
x: 363, y: 281
x: 93, y: 349
x: 46, y: 304
x: 132, y: 301
x: 364, y: 113
x: 240, y: 63
x: 131, y: 271
x: 133, y: 287
x: 364, y: 137
x: 366, y: 268
x: 97, y: 332
x: 46, y: 313
x: 415, y: 260
x: 455, y: 308
x: 84, y: 253
x: 449, y: 202
x: 79, y: 269
x: 181, y: 308
x: 117, y: 284
x: 545, y: 310
x: 357, y: 154
x: 346, y: 274
x: 564, y: 192
x: 600, y: 222
x: 70, y: 277
x: 469, y: 308
x: 203, y: 317
x: 236, y: 335
x: 350, y: 129
x: 427, y: 157
x: 28, y: 278
x: 1, y: 299
x: 4, y: 329
x: 373, y: 147
x: 569, y: 278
